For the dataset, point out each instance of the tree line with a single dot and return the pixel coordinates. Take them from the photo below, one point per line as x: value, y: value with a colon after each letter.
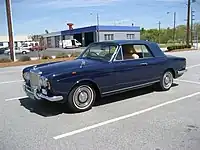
x: 165, y: 35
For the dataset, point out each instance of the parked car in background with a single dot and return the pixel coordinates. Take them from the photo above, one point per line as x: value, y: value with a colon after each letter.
x: 2, y: 50
x: 70, y: 44
x: 18, y: 50
x: 102, y: 69
x: 37, y: 48
x: 29, y: 45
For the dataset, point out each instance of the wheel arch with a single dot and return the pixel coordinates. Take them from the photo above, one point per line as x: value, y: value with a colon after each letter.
x: 172, y: 71
x: 90, y: 82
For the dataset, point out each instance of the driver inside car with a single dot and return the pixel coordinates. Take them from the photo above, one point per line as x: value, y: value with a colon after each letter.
x: 129, y: 52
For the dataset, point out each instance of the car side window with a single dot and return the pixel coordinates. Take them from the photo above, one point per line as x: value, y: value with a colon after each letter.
x: 146, y: 53
x: 135, y: 51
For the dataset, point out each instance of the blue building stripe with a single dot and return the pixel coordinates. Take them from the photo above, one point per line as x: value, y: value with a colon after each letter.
x: 101, y: 28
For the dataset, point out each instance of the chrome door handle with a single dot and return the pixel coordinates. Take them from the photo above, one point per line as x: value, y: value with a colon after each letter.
x: 143, y: 64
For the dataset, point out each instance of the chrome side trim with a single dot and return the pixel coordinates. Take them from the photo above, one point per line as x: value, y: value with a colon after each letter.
x: 131, y: 87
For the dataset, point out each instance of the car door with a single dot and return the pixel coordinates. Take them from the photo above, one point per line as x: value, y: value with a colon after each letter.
x: 17, y: 50
x: 139, y: 70
x: 151, y: 65
x: 128, y: 72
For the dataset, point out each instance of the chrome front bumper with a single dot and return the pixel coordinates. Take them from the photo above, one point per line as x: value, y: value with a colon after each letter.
x: 33, y: 94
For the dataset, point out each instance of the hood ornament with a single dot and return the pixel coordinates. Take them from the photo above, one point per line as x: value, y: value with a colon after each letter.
x: 82, y: 64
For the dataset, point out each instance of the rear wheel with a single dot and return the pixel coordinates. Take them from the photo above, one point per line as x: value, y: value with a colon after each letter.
x: 81, y: 98
x: 166, y: 81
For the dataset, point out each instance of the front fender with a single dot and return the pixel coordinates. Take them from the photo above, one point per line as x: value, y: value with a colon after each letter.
x: 90, y: 81
x: 64, y: 85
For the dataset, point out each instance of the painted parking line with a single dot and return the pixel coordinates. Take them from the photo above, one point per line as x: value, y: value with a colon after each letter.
x: 193, y: 66
x: 16, y: 98
x: 6, y: 72
x: 123, y: 117
x: 6, y: 82
x: 188, y: 81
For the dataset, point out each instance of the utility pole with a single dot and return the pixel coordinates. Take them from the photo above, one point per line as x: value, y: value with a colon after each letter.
x: 10, y: 30
x: 97, y: 27
x: 192, y: 28
x: 159, y: 23
x: 174, y: 30
x: 188, y: 23
x: 197, y: 37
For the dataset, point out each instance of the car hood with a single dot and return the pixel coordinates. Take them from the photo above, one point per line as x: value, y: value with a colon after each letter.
x: 65, y: 66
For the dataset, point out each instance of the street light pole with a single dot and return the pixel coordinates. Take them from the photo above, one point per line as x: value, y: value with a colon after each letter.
x: 174, y: 26
x: 159, y: 23
x: 97, y: 27
x: 10, y: 30
x: 188, y: 23
x: 192, y: 28
x: 174, y: 30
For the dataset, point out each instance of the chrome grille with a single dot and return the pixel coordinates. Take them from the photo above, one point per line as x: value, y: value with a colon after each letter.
x: 34, y: 79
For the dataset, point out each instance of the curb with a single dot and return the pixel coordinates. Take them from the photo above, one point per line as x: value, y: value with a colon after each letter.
x: 36, y: 58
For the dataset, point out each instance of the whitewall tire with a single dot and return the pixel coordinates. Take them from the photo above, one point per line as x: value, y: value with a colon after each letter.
x: 81, y: 98
x: 166, y: 81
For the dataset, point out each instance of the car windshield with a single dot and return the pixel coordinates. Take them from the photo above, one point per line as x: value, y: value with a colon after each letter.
x: 101, y: 51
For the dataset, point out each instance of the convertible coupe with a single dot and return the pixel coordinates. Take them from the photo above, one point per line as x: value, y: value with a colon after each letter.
x: 102, y: 69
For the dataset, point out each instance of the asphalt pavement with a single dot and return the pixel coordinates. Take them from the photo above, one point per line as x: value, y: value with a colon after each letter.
x: 141, y: 119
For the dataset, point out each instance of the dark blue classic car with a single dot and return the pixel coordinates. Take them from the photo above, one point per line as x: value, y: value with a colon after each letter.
x: 102, y: 69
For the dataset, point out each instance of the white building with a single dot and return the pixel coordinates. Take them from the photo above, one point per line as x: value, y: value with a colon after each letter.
x: 18, y: 40
x: 87, y: 35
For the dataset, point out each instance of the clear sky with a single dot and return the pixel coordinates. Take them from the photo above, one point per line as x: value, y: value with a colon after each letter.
x: 34, y: 16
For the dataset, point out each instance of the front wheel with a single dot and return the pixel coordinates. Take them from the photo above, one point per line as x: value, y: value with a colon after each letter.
x: 81, y: 98
x: 166, y: 81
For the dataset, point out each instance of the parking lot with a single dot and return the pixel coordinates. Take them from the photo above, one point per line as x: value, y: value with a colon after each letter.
x: 140, y: 119
x: 47, y: 52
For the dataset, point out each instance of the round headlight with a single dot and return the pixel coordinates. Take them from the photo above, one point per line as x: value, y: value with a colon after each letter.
x: 26, y: 76
x: 43, y: 81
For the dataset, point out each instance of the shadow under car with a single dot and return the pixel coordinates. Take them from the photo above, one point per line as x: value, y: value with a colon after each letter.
x: 48, y: 109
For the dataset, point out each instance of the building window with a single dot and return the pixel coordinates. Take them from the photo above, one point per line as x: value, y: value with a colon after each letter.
x: 1, y: 43
x: 130, y: 36
x: 108, y: 37
x: 57, y: 40
x: 49, y: 42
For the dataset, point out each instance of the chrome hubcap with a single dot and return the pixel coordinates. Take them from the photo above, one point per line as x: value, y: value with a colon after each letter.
x: 83, y: 97
x: 167, y: 80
